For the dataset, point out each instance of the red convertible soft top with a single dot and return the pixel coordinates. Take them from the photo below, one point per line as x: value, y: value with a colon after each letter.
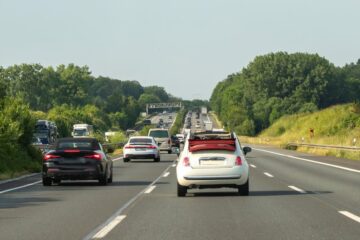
x: 196, y: 145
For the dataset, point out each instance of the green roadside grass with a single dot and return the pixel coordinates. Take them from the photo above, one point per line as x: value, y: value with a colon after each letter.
x: 337, y: 125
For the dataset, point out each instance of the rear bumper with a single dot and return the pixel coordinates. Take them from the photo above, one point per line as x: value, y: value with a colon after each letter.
x: 140, y: 156
x: 91, y: 172
x: 194, y: 178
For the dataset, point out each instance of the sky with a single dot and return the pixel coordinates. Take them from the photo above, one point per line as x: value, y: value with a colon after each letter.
x: 185, y: 46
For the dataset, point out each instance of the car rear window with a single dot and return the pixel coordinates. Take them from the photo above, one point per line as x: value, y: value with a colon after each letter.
x: 140, y: 141
x: 85, y: 145
x: 159, y: 134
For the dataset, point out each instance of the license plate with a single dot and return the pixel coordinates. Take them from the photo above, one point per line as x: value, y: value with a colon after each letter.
x: 212, y: 162
x: 139, y: 149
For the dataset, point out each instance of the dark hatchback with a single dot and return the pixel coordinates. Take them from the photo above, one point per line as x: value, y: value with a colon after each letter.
x: 77, y: 159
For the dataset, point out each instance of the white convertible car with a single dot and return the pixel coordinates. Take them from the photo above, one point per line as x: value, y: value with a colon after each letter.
x: 213, y: 160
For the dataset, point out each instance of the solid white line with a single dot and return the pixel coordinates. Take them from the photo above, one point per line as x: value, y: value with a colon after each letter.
x: 150, y: 189
x: 308, y: 160
x: 174, y: 165
x: 24, y: 186
x: 19, y: 178
x: 268, y: 174
x: 350, y: 215
x: 166, y: 174
x: 252, y: 165
x: 297, y: 189
x: 103, y: 232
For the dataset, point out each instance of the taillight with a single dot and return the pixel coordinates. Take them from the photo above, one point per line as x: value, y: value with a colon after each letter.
x: 50, y: 156
x: 95, y: 156
x: 129, y: 146
x: 238, y: 161
x: 72, y: 150
x: 186, y: 162
x: 151, y: 146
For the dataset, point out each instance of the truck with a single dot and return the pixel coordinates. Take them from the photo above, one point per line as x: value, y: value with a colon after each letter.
x: 204, y: 110
x: 208, y: 125
x: 82, y: 130
x: 46, y: 131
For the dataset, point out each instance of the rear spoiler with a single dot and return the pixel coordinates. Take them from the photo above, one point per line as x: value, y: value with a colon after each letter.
x: 196, y: 145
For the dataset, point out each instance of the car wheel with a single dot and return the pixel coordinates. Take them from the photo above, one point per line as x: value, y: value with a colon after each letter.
x: 169, y: 151
x: 110, y: 180
x: 57, y: 181
x: 157, y: 159
x: 126, y: 159
x: 244, y: 189
x: 103, y: 179
x: 181, y: 190
x: 46, y: 181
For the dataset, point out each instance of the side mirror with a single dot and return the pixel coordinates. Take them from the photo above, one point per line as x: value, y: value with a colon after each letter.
x: 246, y: 150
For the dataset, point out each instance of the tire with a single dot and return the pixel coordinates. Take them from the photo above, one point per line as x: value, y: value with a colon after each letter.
x: 181, y: 190
x: 46, y: 181
x: 110, y: 180
x: 126, y: 159
x: 103, y: 179
x: 157, y: 159
x: 244, y: 189
x: 57, y: 181
x: 169, y: 151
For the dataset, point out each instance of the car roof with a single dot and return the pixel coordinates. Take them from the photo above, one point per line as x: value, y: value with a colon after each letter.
x: 134, y: 137
x: 156, y: 129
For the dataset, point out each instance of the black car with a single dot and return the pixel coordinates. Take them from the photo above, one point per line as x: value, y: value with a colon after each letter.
x: 175, y: 142
x: 77, y: 159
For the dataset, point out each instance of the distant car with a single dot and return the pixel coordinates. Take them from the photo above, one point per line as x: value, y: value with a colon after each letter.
x: 162, y: 137
x: 141, y: 147
x: 77, y: 159
x: 147, y: 122
x: 175, y: 141
x: 197, y: 125
x: 36, y: 141
x: 213, y: 159
x: 180, y: 137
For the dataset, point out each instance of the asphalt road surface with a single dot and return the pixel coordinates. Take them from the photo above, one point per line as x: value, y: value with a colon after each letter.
x: 292, y: 196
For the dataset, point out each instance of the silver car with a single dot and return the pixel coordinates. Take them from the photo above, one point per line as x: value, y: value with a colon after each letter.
x: 141, y: 147
x: 162, y: 137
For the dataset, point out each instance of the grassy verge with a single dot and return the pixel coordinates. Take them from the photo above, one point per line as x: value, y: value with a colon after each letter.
x: 15, y: 161
x: 337, y: 125
x: 179, y: 122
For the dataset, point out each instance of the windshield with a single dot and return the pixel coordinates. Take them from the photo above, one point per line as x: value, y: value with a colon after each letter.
x: 140, y: 141
x: 159, y: 134
x: 81, y: 132
x: 84, y: 145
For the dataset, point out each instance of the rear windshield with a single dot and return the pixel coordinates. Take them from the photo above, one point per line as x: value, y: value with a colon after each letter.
x: 81, y: 132
x: 140, y: 141
x: 159, y: 134
x: 85, y: 145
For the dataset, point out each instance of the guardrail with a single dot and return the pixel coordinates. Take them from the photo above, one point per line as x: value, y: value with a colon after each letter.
x: 349, y: 148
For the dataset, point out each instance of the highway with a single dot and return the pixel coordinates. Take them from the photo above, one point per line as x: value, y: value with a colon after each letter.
x: 290, y: 198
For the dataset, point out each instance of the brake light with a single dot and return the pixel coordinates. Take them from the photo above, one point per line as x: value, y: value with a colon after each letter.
x: 151, y: 146
x: 95, y: 156
x: 238, y: 161
x: 50, y: 156
x: 72, y: 150
x: 186, y: 162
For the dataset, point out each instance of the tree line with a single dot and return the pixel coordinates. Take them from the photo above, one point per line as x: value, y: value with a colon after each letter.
x: 66, y: 95
x: 279, y: 84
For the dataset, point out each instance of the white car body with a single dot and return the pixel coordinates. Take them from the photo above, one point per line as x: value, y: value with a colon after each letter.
x: 208, y: 168
x: 141, y: 147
